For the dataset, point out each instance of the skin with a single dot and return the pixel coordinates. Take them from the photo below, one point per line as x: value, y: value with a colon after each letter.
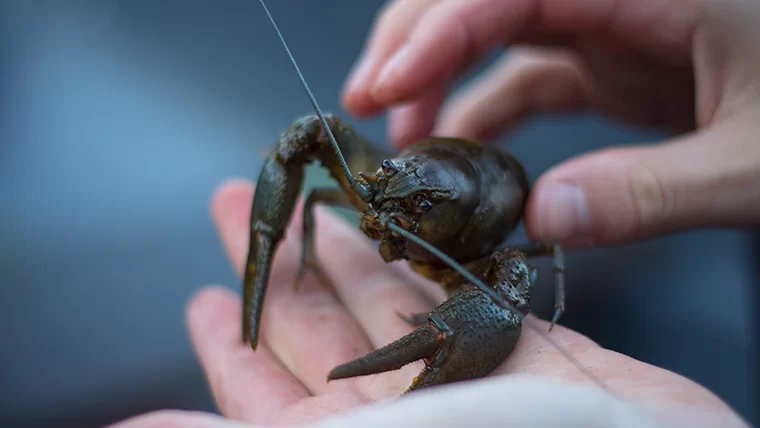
x: 691, y: 66
x: 306, y: 333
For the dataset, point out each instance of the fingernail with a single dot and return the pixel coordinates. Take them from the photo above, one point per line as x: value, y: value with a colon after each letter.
x: 563, y: 212
x: 395, y: 65
x: 358, y: 76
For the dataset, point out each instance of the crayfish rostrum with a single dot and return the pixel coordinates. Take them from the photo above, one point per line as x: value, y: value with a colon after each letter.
x: 449, y: 195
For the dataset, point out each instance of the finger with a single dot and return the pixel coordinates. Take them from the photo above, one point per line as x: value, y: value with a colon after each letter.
x: 415, y: 120
x: 704, y: 179
x: 392, y: 29
x: 373, y: 291
x: 246, y: 385
x: 453, y: 33
x: 392, y: 26
x: 178, y: 418
x: 525, y: 82
x: 308, y: 330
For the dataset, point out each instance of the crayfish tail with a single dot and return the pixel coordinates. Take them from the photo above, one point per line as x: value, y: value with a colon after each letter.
x: 421, y: 343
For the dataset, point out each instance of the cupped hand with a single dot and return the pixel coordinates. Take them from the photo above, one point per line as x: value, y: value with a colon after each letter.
x: 307, y: 332
x: 688, y: 66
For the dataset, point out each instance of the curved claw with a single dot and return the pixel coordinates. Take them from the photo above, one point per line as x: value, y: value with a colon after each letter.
x: 421, y: 343
x: 273, y: 203
x: 314, y: 267
x: 278, y: 187
x: 466, y: 337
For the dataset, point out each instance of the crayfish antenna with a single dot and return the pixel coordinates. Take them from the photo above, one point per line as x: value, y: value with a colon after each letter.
x: 421, y: 343
x: 361, y: 189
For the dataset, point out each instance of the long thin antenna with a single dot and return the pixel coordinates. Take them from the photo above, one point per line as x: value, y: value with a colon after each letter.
x: 493, y: 295
x: 355, y: 185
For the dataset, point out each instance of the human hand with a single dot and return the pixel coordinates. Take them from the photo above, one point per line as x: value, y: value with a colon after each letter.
x: 305, y: 333
x: 677, y: 65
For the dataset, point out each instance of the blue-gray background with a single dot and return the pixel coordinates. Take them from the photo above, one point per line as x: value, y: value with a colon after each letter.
x: 119, y: 118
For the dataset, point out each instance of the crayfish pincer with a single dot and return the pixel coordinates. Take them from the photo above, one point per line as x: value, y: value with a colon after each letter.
x: 465, y: 337
x: 445, y: 205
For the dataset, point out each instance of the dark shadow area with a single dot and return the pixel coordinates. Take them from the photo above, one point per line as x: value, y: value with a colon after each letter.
x: 120, y: 118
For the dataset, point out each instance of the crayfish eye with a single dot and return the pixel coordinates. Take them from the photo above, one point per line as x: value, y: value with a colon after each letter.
x: 389, y: 167
x: 422, y: 203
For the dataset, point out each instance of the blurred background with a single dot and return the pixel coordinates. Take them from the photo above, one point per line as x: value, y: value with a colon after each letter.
x: 120, y: 118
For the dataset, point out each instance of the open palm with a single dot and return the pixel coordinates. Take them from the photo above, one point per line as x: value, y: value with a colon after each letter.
x: 307, y: 332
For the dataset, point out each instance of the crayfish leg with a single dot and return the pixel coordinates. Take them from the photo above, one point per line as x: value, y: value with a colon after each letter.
x: 539, y: 249
x: 465, y: 337
x: 330, y: 196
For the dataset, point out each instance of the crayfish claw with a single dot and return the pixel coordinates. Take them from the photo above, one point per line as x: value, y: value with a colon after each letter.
x: 465, y: 337
x: 477, y: 335
x: 421, y: 343
x: 305, y: 267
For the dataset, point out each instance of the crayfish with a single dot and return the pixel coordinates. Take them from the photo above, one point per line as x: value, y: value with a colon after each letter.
x: 445, y: 205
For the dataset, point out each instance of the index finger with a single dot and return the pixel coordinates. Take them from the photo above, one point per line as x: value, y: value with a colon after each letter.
x: 415, y: 46
x: 450, y: 35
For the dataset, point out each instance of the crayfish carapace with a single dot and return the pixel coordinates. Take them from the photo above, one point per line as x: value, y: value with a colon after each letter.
x: 446, y: 205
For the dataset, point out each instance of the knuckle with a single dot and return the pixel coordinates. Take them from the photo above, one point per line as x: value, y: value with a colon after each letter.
x: 652, y: 200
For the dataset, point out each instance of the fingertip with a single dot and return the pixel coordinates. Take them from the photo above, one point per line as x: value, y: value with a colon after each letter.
x: 577, y: 201
x: 421, y: 65
x: 233, y: 196
x: 394, y: 22
x: 562, y: 212
x: 208, y: 299
x: 614, y: 195
x: 358, y: 102
x: 355, y: 97
x: 210, y: 306
x: 414, y: 121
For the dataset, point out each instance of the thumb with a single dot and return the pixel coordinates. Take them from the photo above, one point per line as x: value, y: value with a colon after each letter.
x: 709, y: 178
